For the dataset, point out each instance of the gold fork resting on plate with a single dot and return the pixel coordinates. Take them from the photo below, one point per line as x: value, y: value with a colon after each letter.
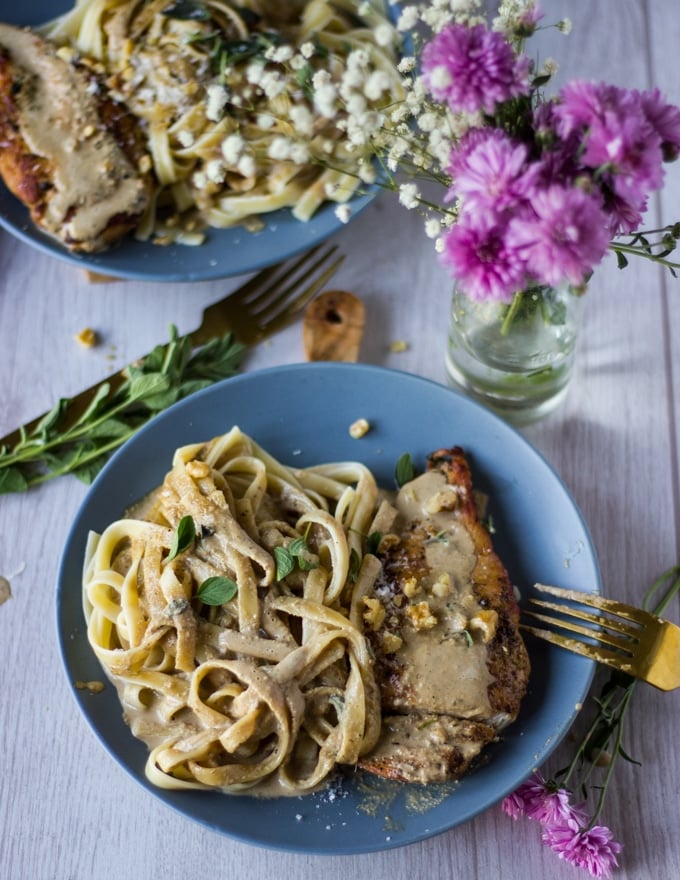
x: 261, y: 307
x: 629, y: 639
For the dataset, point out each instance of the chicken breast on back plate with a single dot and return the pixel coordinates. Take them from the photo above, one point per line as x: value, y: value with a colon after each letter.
x: 71, y: 154
x: 443, y: 624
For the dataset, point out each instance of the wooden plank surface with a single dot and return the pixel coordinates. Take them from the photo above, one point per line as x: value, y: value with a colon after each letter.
x: 67, y: 810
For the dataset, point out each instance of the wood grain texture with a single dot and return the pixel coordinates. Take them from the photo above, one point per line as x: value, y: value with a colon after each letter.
x: 67, y: 811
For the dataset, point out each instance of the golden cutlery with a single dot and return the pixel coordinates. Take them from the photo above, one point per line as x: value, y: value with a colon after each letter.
x: 628, y: 639
x: 261, y: 307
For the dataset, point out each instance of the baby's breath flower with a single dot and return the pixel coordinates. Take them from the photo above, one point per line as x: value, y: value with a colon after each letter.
x: 279, y: 148
x: 303, y: 119
x: 265, y: 121
x: 343, y: 213
x: 433, y: 227
x: 409, y: 196
x: 406, y: 64
x: 384, y: 34
x: 408, y: 19
x: 564, y: 26
x: 307, y: 50
x: 377, y: 84
x: 232, y: 147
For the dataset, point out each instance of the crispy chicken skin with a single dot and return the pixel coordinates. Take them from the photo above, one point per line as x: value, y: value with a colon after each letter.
x: 451, y: 665
x: 68, y: 151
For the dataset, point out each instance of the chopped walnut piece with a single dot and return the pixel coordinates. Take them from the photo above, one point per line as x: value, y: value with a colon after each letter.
x: 391, y: 643
x: 486, y: 622
x: 374, y: 615
x: 87, y: 337
x: 420, y: 616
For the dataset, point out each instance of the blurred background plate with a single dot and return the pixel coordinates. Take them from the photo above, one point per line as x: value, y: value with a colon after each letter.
x: 225, y: 253
x: 301, y: 414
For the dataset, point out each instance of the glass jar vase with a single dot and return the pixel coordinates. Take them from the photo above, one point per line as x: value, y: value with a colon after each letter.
x: 516, y: 358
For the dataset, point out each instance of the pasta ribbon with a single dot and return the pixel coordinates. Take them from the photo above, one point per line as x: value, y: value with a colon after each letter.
x: 271, y: 688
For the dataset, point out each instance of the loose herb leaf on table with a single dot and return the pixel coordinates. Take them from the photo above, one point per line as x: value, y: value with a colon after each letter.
x: 168, y: 374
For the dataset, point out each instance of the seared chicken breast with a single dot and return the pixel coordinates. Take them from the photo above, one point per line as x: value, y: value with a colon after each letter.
x: 68, y: 151
x: 443, y: 624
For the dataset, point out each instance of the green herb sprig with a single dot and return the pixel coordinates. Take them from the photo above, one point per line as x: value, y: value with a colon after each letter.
x: 169, y: 373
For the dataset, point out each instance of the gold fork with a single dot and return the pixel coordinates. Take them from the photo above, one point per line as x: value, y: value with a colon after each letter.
x: 629, y: 639
x: 259, y: 308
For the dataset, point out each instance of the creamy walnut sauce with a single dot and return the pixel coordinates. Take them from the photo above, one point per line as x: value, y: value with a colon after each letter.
x: 442, y: 626
x: 93, y: 181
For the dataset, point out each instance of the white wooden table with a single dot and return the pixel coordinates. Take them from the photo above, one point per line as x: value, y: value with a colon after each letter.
x: 67, y: 812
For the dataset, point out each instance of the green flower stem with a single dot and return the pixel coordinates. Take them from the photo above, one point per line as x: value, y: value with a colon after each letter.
x: 604, y: 736
x: 511, y: 312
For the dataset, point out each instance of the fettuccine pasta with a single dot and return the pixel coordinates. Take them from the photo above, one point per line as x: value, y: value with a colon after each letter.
x: 245, y: 106
x: 269, y: 687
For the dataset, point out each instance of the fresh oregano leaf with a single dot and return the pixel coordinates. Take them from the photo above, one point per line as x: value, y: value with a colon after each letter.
x: 404, y: 471
x: 285, y: 562
x: 183, y: 538
x: 217, y: 590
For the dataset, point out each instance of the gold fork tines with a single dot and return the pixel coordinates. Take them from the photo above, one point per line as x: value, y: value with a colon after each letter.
x: 259, y: 308
x: 268, y: 301
x: 626, y: 638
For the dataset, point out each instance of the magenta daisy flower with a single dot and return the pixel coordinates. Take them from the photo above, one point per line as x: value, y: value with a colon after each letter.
x: 476, y: 252
x: 563, y: 237
x: 592, y: 849
x: 473, y: 68
x: 491, y: 170
x: 664, y: 119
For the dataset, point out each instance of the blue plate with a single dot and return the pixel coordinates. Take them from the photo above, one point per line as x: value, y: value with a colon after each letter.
x: 301, y: 414
x: 225, y: 253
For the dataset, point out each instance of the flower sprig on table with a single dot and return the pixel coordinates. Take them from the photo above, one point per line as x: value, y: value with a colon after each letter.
x: 536, y: 189
x: 567, y: 827
x: 64, y: 442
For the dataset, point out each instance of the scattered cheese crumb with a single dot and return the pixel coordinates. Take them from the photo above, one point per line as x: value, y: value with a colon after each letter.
x: 94, y: 687
x: 399, y: 345
x: 87, y: 337
x: 359, y: 428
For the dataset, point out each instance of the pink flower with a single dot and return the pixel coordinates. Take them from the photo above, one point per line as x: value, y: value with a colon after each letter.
x: 473, y: 68
x: 621, y: 132
x: 563, y: 237
x: 592, y: 849
x: 537, y: 801
x: 664, y: 119
x: 491, y: 169
x: 476, y: 252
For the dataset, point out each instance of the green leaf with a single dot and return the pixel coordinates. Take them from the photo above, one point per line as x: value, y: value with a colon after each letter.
x: 285, y: 562
x: 183, y: 538
x: 373, y: 542
x: 109, y: 428
x: 12, y: 480
x: 404, y: 471
x: 147, y: 385
x: 354, y: 565
x: 52, y: 418
x: 621, y: 260
x: 217, y: 590
x: 95, y: 404
x: 186, y: 10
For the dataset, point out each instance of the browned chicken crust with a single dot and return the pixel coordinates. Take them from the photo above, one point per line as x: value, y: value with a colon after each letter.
x: 436, y: 733
x: 68, y: 151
